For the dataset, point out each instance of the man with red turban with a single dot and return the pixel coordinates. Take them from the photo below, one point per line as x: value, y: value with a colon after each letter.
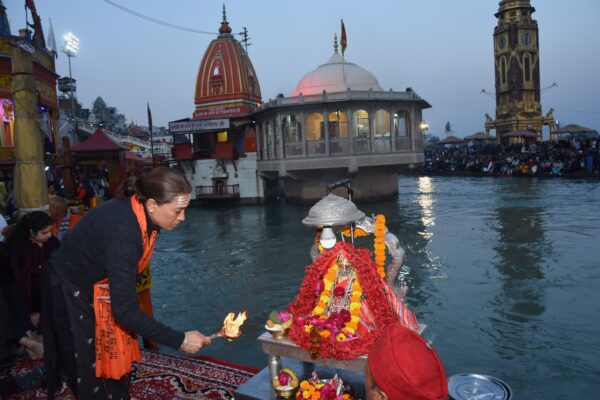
x: 402, y: 367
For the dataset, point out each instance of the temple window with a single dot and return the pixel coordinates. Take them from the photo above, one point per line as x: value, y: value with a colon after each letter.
x: 402, y: 123
x: 361, y: 123
x: 291, y: 129
x: 338, y: 124
x: 382, y: 123
x: 503, y: 70
x: 216, y: 88
x: 314, y: 126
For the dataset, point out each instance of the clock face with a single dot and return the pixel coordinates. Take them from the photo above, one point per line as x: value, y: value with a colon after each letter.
x: 526, y: 38
x: 502, y: 42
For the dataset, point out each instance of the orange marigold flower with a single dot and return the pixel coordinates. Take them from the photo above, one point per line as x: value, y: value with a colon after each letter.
x: 325, y: 333
x: 304, y: 385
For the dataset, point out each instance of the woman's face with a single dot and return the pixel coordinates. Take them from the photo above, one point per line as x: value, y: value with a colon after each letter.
x: 42, y: 235
x: 168, y: 215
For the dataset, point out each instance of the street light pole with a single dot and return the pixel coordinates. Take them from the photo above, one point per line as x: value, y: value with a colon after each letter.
x: 70, y: 49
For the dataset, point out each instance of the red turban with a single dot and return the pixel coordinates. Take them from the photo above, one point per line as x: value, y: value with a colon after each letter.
x: 404, y: 367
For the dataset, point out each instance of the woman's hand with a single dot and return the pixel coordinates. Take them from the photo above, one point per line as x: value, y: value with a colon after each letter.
x: 105, y: 299
x: 194, y: 341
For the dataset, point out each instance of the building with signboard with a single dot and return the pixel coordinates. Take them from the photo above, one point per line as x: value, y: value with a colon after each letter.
x: 217, y: 146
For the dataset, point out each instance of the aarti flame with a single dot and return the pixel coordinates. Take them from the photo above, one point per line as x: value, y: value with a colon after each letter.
x: 231, y: 325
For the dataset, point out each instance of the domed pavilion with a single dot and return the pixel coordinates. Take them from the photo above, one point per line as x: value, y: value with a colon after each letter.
x: 339, y: 123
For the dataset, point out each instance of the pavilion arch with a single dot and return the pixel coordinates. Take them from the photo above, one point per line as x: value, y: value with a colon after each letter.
x: 361, y: 123
x: 291, y: 128
x: 381, y: 123
x: 338, y: 124
x: 402, y: 123
x: 271, y: 148
x: 314, y: 126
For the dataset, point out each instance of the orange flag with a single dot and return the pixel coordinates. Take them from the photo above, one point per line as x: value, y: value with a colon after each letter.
x: 343, y: 41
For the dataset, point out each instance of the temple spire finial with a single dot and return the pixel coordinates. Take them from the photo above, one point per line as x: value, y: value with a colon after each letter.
x: 225, y: 29
x: 335, y: 42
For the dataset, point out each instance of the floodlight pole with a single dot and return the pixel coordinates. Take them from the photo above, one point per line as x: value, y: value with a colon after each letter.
x: 70, y: 49
x: 69, y: 55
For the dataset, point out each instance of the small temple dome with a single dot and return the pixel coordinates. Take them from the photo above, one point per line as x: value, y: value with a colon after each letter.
x: 337, y: 75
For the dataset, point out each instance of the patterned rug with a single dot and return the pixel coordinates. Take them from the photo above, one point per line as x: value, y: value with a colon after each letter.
x: 161, y: 376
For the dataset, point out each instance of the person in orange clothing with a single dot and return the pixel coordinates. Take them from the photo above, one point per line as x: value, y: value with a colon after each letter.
x: 92, y: 278
x: 62, y: 218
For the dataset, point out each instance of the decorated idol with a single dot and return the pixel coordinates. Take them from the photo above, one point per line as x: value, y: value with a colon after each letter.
x: 345, y: 301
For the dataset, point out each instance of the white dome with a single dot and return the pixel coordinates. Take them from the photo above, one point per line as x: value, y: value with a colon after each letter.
x: 336, y: 75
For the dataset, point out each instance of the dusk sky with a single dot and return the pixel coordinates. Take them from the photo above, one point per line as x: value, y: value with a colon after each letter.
x: 442, y: 49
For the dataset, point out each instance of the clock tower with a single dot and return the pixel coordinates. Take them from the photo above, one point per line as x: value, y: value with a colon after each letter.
x: 517, y: 72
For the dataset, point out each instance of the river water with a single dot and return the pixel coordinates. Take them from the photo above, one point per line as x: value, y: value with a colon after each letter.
x: 504, y: 271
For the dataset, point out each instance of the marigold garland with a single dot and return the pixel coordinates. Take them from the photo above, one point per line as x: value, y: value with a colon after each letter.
x: 379, y: 244
x: 355, y: 295
x: 310, y: 294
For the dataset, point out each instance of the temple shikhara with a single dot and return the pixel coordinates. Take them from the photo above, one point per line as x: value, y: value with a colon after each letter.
x: 338, y: 123
x: 217, y: 146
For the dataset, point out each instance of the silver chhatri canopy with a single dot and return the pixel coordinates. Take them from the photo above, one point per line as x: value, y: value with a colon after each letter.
x: 333, y: 210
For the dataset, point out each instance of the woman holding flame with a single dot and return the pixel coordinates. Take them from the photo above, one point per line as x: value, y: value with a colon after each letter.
x: 92, y: 281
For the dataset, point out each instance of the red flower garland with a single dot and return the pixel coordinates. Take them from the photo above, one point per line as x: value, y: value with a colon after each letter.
x: 373, y: 290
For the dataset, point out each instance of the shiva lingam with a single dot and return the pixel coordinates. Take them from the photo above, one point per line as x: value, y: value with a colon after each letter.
x: 231, y: 329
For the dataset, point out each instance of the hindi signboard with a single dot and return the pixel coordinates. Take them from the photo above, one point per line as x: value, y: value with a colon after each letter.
x: 192, y: 125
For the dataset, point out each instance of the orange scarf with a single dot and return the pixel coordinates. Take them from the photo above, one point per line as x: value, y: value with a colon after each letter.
x: 116, y: 348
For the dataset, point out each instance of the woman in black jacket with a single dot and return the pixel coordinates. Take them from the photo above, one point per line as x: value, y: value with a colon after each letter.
x: 95, y: 272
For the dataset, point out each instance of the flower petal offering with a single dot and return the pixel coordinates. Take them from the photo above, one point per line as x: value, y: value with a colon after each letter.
x: 279, y: 323
x: 286, y: 383
x: 324, y: 389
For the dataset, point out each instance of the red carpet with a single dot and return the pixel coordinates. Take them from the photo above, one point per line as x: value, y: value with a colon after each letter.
x: 163, y: 377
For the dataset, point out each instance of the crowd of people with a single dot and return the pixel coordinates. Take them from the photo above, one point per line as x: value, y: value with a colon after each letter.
x: 564, y: 158
x: 54, y: 264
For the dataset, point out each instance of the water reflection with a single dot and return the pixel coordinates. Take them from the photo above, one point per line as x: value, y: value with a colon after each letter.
x: 520, y: 251
x: 425, y: 199
x: 519, y: 301
x: 412, y: 221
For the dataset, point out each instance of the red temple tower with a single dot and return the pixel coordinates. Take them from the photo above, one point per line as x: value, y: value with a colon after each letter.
x: 226, y: 85
x: 217, y: 146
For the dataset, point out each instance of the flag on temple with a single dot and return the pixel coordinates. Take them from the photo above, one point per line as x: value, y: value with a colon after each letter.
x: 343, y: 41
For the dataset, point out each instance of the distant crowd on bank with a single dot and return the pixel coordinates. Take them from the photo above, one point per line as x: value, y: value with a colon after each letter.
x: 563, y: 158
x: 88, y: 188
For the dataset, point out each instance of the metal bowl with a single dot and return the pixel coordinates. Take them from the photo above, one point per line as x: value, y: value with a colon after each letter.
x: 278, y: 333
x: 286, y: 393
x: 477, y: 386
